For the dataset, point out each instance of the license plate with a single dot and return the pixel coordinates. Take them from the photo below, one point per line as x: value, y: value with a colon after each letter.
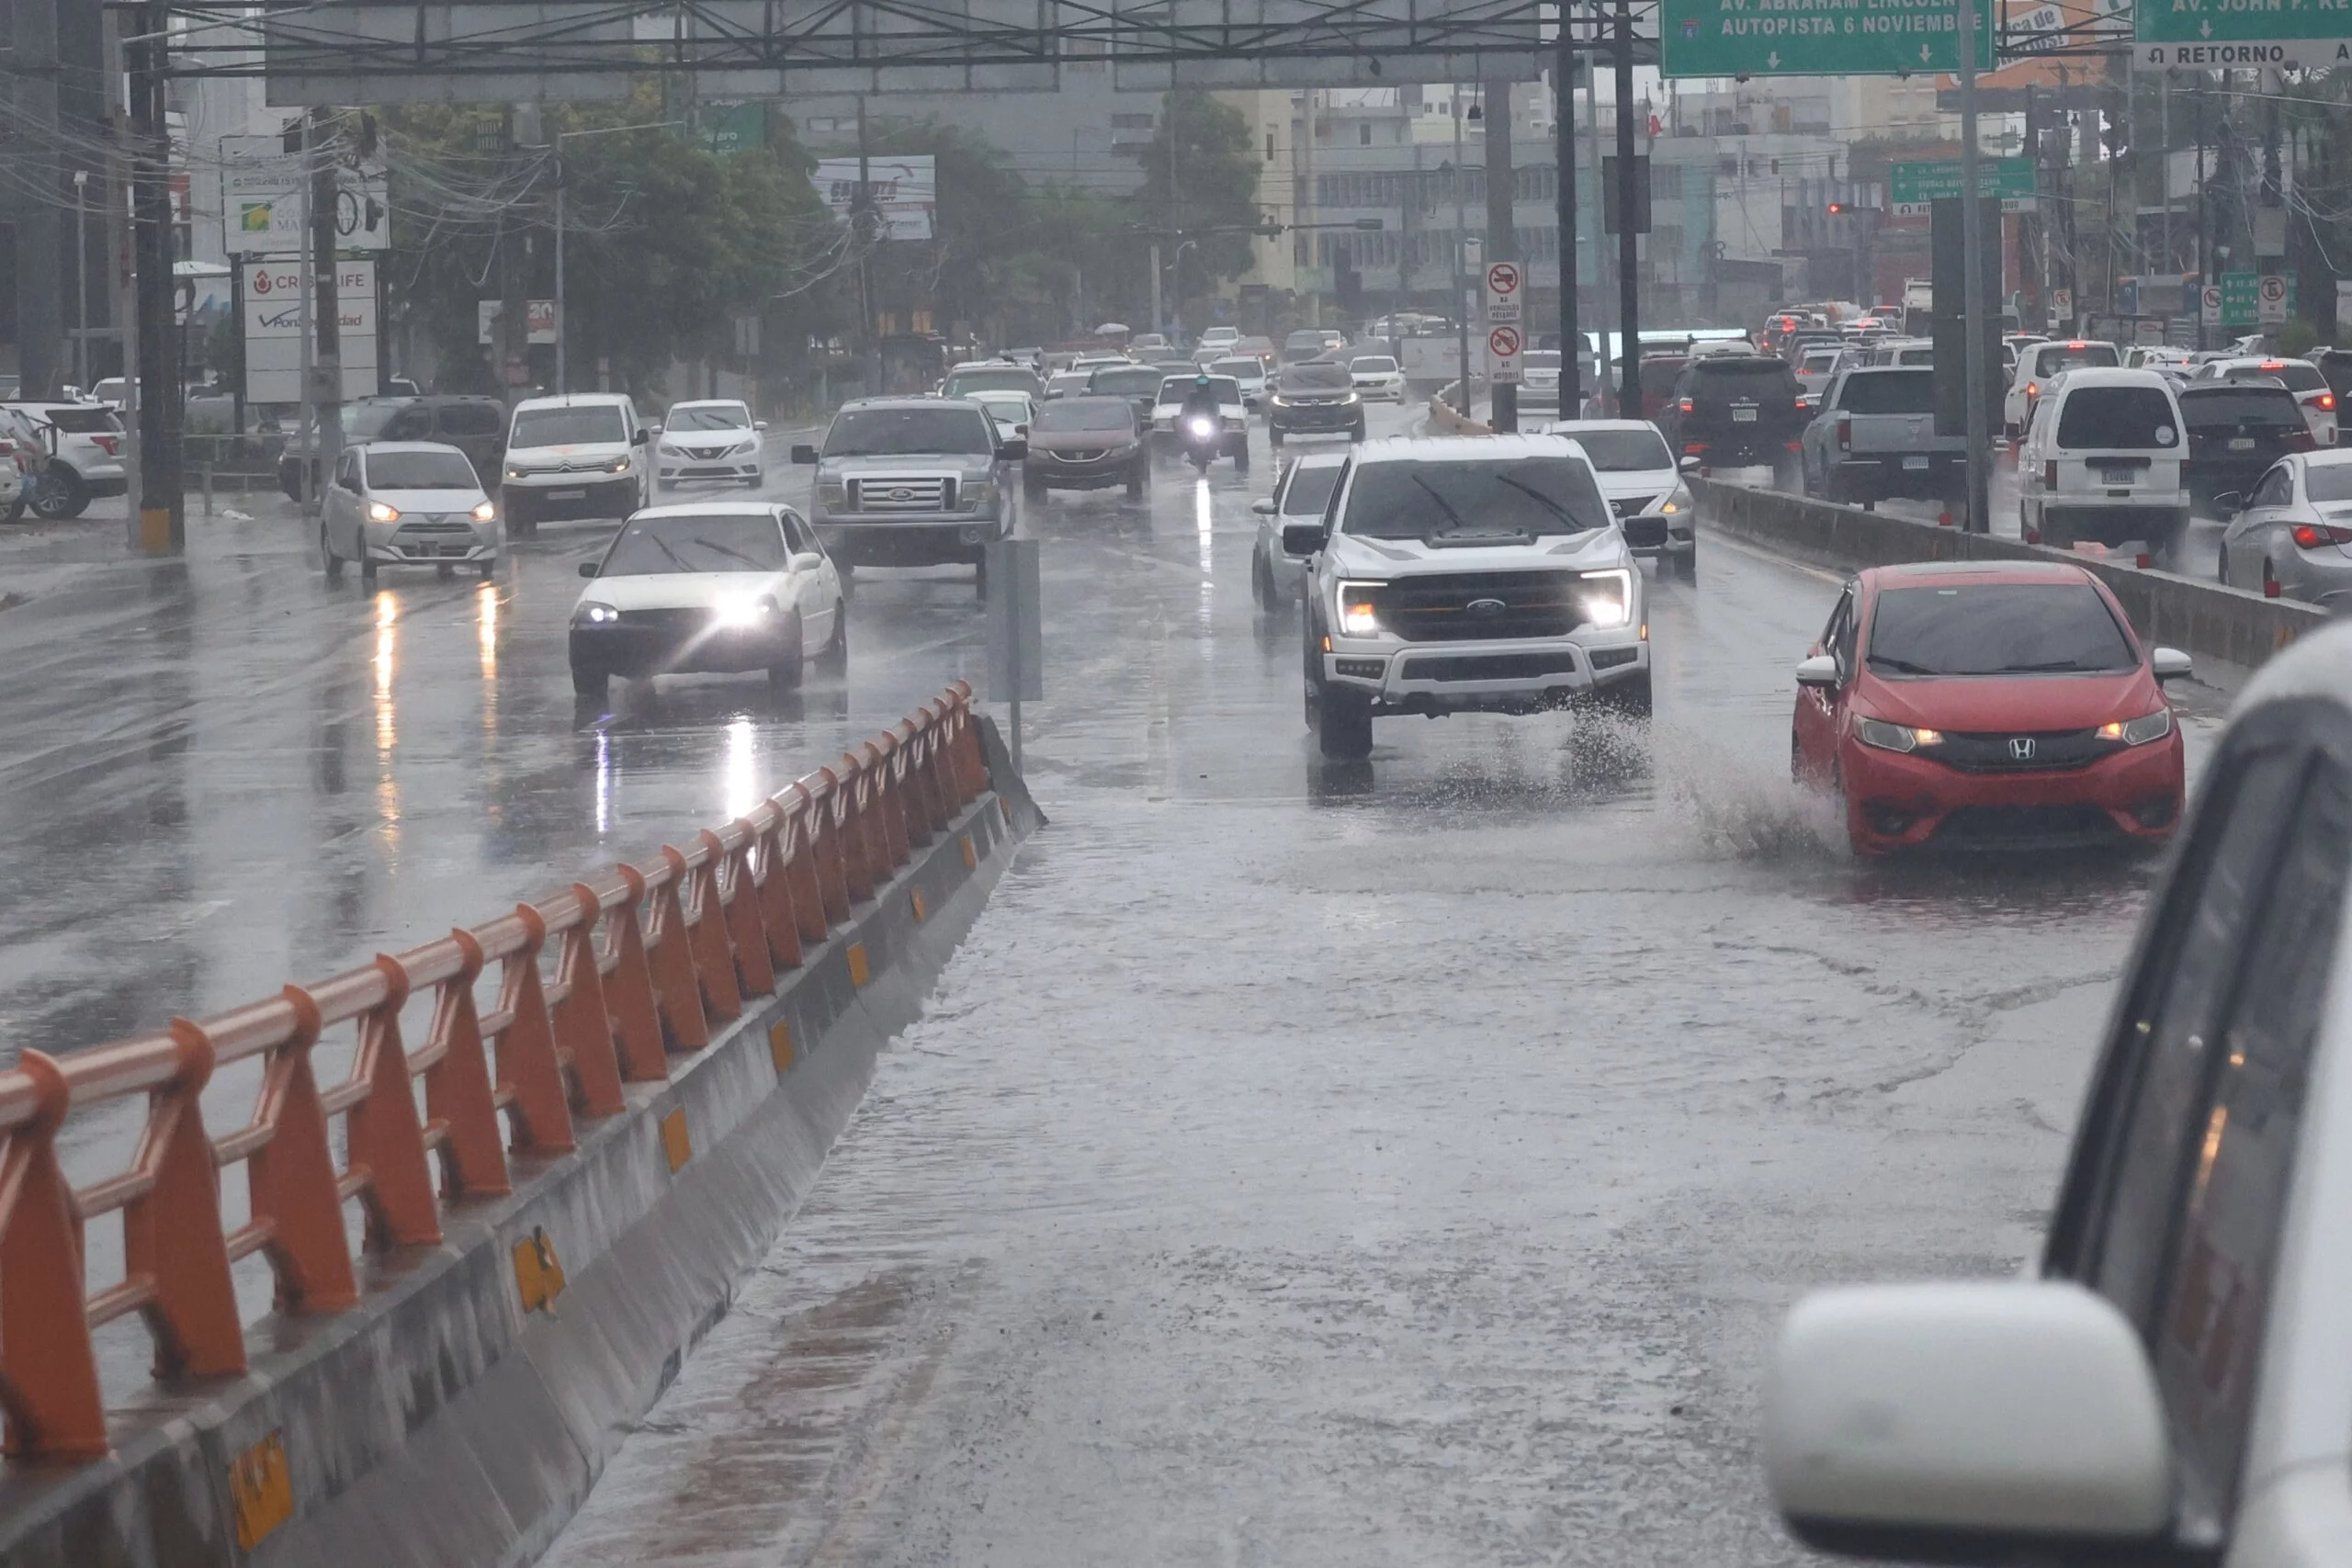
x: 2116, y: 475
x: 1914, y: 465
x: 1743, y: 416
x: 2241, y: 443
x: 567, y: 495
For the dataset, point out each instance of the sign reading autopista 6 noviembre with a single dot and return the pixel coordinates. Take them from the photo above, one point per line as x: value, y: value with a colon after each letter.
x: 1815, y: 38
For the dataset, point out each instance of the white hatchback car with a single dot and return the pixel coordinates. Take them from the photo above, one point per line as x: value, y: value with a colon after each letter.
x: 711, y: 439
x: 406, y: 503
x: 1645, y: 489
x: 719, y: 588
x: 2171, y: 1381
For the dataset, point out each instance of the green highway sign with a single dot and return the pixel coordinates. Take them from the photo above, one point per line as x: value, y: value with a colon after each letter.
x: 734, y: 128
x: 2241, y: 299
x: 1820, y: 38
x: 2214, y: 35
x: 1912, y: 190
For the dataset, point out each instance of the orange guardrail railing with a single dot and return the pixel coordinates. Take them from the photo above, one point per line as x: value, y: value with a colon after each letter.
x: 642, y: 961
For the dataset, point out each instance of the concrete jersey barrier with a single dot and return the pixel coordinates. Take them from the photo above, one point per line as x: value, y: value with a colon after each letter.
x: 458, y: 1409
x: 2204, y: 620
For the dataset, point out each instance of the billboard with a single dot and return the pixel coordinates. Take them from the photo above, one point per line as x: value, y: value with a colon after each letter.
x: 905, y: 191
x: 272, y: 329
x: 262, y: 209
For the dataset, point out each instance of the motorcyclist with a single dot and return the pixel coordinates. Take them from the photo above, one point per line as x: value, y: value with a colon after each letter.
x: 1201, y: 399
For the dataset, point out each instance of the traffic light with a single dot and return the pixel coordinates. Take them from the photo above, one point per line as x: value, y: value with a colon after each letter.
x: 1836, y: 207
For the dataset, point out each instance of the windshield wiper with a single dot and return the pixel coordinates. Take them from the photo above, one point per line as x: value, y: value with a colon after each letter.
x: 1553, y: 507
x: 1444, y: 505
x: 2056, y: 666
x: 716, y: 548
x: 1901, y: 666
x: 664, y: 546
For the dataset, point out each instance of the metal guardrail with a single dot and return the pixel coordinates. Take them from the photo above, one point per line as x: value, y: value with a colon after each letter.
x: 643, y: 961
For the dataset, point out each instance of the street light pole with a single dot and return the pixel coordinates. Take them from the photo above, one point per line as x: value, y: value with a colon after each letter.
x: 1461, y: 256
x: 81, y: 281
x: 1973, y: 303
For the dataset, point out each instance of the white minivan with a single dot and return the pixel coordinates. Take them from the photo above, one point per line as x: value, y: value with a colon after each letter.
x: 581, y: 455
x: 2101, y: 461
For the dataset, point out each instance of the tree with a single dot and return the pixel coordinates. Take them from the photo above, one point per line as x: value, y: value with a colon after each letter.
x: 1201, y: 173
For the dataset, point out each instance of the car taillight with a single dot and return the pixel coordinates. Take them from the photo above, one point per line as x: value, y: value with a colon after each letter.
x: 1686, y: 405
x: 2050, y: 474
x: 2312, y: 535
x: 2033, y: 389
x: 1695, y: 448
x: 1845, y: 436
x: 2327, y: 400
x: 105, y: 442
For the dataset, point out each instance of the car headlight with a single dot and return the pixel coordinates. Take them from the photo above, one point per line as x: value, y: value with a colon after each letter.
x: 1678, y: 501
x: 1608, y: 597
x: 979, y: 493
x: 832, y: 493
x: 2141, y: 730
x: 1277, y: 399
x: 1357, y: 615
x: 595, y: 615
x: 744, y: 610
x: 1895, y: 736
x: 513, y: 472
x: 378, y: 512
x: 485, y: 512
x: 1351, y: 398
x: 617, y: 466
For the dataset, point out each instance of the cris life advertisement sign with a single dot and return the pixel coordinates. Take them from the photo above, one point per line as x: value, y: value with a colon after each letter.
x: 905, y: 191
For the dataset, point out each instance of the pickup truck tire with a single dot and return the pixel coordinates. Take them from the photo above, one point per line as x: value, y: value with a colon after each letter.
x: 1630, y: 696
x: 1343, y: 723
x: 1034, y: 485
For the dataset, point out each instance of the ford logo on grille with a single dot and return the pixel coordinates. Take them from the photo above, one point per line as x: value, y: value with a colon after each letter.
x: 1485, y: 608
x: 2021, y: 748
x: 902, y: 493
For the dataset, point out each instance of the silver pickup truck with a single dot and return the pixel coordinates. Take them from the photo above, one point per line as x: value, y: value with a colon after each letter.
x: 1875, y: 438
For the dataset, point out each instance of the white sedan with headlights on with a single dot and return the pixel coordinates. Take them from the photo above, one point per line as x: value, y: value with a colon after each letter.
x: 715, y: 440
x: 1377, y: 379
x: 406, y: 503
x: 1644, y: 488
x: 721, y: 588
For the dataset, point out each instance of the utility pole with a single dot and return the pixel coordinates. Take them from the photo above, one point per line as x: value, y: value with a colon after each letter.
x: 1305, y: 201
x: 30, y: 33
x: 1629, y: 277
x: 2204, y: 276
x: 1502, y: 233
x: 861, y: 230
x: 326, y: 309
x: 82, y: 377
x: 160, y: 526
x: 1155, y: 317
x: 1461, y: 256
x: 1564, y: 141
x: 1974, y: 302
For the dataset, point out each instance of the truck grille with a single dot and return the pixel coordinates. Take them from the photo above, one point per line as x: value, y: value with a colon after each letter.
x: 1490, y: 666
x: 1632, y: 505
x: 1439, y: 609
x: 933, y: 494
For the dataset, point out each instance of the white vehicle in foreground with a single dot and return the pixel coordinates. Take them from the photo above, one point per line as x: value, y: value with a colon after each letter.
x: 717, y: 588
x: 2170, y: 1382
x: 714, y: 439
x: 406, y: 503
x: 1644, y: 488
x: 1467, y: 574
x: 87, y: 441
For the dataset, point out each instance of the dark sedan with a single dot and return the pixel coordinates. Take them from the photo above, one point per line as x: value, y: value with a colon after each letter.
x: 2236, y: 429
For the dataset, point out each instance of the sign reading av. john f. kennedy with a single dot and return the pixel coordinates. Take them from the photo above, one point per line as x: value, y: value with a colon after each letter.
x: 2218, y: 34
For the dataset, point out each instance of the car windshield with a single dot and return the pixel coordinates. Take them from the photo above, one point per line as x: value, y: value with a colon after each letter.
x: 1176, y: 388
x: 1310, y: 490
x: 858, y: 432
x: 568, y: 427
x: 2051, y: 358
x: 1085, y: 413
x: 419, y: 471
x: 1133, y: 382
x: 1996, y: 628
x: 708, y: 416
x: 1889, y: 392
x: 1239, y: 369
x: 2228, y: 408
x: 2328, y: 481
x: 1319, y: 376
x: 1623, y: 451
x: 2293, y: 374
x: 1374, y: 365
x: 721, y: 542
x: 1010, y: 378
x: 1512, y: 497
x: 2117, y: 417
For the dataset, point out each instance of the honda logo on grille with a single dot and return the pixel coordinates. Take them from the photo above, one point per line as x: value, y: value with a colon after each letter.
x: 2021, y: 748
x: 1485, y: 608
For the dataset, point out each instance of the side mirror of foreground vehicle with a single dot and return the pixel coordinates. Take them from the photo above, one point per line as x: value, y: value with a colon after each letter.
x: 804, y: 453
x: 1689, y: 465
x: 2228, y: 501
x: 587, y: 569
x: 1302, y: 538
x: 1012, y: 452
x: 1263, y: 506
x: 1821, y: 670
x: 1971, y: 1421
x: 2169, y: 664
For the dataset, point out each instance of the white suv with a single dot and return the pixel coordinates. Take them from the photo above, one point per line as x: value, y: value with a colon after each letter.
x: 2169, y: 1384
x: 88, y: 445
x: 1467, y: 574
x: 583, y: 455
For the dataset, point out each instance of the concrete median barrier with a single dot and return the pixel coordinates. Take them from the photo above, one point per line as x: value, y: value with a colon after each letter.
x: 1447, y: 419
x: 460, y: 1406
x: 2210, y: 622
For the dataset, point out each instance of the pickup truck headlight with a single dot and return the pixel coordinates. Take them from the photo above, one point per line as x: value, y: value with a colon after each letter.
x: 2139, y: 732
x: 832, y: 493
x: 1355, y: 611
x: 1609, y: 597
x: 979, y: 493
x: 1895, y: 736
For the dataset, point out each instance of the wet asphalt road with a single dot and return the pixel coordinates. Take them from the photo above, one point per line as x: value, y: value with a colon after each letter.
x: 1391, y: 1164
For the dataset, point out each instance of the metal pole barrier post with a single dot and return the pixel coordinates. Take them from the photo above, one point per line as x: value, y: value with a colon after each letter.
x: 1975, y: 304
x: 326, y: 310
x: 562, y: 325
x: 1463, y: 402
x: 1563, y: 69
x: 1629, y: 280
x: 160, y: 527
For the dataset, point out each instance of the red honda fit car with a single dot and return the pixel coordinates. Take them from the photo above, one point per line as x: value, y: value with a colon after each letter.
x: 1989, y: 705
